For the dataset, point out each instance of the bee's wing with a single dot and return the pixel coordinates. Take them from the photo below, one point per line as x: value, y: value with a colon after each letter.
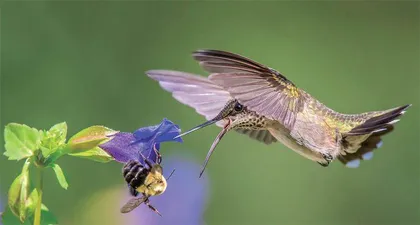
x: 260, y: 135
x: 207, y: 98
x: 132, y: 204
x: 254, y: 85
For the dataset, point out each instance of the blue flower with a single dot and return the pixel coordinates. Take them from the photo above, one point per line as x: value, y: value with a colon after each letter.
x: 146, y: 140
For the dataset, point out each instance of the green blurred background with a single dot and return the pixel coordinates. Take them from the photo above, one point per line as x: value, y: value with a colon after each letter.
x: 84, y: 63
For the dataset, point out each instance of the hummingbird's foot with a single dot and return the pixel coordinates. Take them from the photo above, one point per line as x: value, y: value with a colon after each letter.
x: 323, y: 164
x: 328, y: 158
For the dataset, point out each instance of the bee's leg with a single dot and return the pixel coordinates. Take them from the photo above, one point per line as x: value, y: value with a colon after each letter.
x: 159, y: 156
x: 151, y: 207
x: 146, y: 160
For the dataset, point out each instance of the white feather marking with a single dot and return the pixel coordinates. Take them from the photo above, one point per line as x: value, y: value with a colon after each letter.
x: 379, y: 130
x: 394, y: 121
x: 402, y: 113
x: 353, y: 164
x: 367, y: 156
x: 379, y: 144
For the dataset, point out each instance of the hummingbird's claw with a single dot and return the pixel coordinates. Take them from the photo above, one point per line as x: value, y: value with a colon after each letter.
x: 323, y: 164
x: 328, y: 158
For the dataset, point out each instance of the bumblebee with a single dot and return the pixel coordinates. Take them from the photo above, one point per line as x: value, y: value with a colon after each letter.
x: 147, y: 180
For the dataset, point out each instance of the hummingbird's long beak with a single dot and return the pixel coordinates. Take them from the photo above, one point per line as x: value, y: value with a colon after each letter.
x: 216, y: 141
x: 207, y: 123
x: 213, y: 146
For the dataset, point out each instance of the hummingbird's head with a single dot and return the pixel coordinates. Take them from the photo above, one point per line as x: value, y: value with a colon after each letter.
x: 234, y: 115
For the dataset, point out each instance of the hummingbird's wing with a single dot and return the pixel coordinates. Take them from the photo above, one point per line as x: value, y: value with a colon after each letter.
x: 207, y: 98
x: 260, y: 135
x: 254, y: 85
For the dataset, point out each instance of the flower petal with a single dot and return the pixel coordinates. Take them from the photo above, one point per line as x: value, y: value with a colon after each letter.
x: 120, y: 149
x: 165, y: 131
x: 128, y: 146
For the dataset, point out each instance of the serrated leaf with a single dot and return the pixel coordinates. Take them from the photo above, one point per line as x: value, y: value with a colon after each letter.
x: 20, y: 141
x: 60, y: 176
x: 18, y: 193
x: 90, y: 138
x: 53, y: 139
x: 95, y: 154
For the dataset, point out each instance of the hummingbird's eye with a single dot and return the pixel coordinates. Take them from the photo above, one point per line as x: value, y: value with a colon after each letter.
x: 238, y: 107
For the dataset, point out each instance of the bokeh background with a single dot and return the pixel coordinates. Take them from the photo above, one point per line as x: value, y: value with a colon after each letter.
x: 84, y: 63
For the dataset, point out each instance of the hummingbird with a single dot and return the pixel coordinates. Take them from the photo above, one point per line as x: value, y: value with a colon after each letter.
x: 243, y: 95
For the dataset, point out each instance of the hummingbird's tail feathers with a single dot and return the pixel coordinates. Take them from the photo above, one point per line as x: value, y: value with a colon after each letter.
x: 360, y: 142
x: 379, y: 122
x: 364, y: 150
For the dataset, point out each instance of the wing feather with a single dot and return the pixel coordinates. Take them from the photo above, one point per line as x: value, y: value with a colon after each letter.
x: 275, y: 100
x: 254, y: 85
x: 207, y: 98
x: 216, y: 61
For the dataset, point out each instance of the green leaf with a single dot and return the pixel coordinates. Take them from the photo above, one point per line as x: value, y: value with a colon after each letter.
x: 53, y: 139
x: 59, y: 131
x: 95, y: 154
x: 18, y: 193
x: 47, y: 218
x: 20, y: 141
x: 60, y: 176
x: 8, y: 218
x: 90, y: 138
x: 32, y: 201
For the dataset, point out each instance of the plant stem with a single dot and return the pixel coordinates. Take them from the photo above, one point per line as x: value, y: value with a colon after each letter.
x: 37, y: 219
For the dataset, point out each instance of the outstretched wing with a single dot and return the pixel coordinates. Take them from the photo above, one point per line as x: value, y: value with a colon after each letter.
x: 132, y: 204
x: 254, y: 85
x: 207, y: 98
